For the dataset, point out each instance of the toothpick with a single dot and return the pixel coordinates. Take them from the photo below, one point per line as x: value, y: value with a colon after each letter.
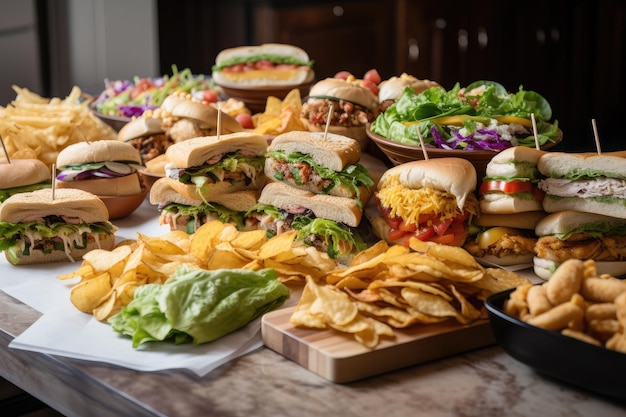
x: 5, y: 150
x: 419, y: 134
x: 595, y: 134
x: 330, y: 113
x: 54, y: 176
x: 219, y: 120
x: 532, y: 117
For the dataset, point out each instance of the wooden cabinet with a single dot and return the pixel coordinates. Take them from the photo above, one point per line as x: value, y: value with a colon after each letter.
x: 572, y: 52
x: 338, y: 35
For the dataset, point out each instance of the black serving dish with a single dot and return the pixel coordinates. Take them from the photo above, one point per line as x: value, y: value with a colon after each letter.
x: 581, y: 364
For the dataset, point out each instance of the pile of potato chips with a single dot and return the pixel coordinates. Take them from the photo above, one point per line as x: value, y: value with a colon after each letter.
x: 108, y: 279
x: 387, y: 287
x: 34, y: 127
x: 280, y: 116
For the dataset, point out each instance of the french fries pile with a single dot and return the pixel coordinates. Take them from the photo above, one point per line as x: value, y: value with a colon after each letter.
x: 280, y: 116
x: 387, y: 287
x: 34, y: 127
x: 108, y: 279
x: 576, y: 302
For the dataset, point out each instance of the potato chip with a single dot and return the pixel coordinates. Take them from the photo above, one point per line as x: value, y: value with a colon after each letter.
x: 103, y: 260
x: 278, y: 244
x: 87, y: 295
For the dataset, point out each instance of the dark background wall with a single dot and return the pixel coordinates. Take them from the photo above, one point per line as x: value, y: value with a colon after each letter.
x: 572, y: 52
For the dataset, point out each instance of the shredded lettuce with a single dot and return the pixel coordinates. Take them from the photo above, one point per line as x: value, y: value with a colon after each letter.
x: 337, y: 239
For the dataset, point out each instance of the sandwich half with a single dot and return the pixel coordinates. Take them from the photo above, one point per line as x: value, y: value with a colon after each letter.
x: 319, y: 163
x: 37, y: 228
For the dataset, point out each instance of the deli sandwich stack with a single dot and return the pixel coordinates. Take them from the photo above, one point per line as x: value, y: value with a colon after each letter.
x: 318, y: 187
x: 585, y: 194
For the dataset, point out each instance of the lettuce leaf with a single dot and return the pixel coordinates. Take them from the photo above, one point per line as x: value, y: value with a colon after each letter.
x: 199, y: 306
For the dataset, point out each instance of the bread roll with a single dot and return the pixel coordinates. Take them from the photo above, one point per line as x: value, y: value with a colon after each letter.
x: 120, y: 186
x: 339, y: 209
x: 345, y: 90
x: 68, y: 202
x: 197, y: 151
x: 98, y: 151
x: 20, y: 172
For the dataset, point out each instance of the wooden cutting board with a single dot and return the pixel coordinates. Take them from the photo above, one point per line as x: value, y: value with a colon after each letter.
x: 339, y: 358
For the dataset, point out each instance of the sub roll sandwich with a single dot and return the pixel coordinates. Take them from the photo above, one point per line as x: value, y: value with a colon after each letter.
x: 431, y: 200
x: 216, y: 165
x: 511, y: 205
x: 37, y: 228
x: 23, y: 175
x: 584, y: 182
x: 320, y: 163
x: 570, y: 234
x: 326, y: 222
x: 187, y: 214
x: 354, y: 106
x: 102, y: 167
x: 147, y: 135
x: 266, y: 65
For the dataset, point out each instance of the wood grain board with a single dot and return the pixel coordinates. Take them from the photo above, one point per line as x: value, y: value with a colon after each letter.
x: 339, y: 358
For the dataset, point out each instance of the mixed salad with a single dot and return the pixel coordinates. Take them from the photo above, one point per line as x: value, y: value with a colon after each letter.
x: 125, y: 98
x: 481, y: 116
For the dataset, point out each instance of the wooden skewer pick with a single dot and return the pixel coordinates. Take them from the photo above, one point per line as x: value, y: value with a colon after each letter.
x: 532, y: 117
x: 219, y: 120
x: 595, y: 134
x: 419, y: 134
x: 5, y: 150
x: 54, y: 176
x: 330, y: 113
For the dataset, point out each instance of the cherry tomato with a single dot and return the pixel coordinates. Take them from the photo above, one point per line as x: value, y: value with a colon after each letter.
x: 373, y: 76
x: 142, y: 85
x: 245, y: 120
x: 370, y: 86
x: 209, y: 96
x: 344, y: 75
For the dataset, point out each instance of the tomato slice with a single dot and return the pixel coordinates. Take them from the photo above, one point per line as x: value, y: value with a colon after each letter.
x: 446, y: 239
x: 396, y: 234
x: 508, y: 187
x: 441, y: 227
x: 407, y: 227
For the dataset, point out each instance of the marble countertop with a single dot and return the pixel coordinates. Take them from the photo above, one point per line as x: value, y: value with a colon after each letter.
x: 483, y: 382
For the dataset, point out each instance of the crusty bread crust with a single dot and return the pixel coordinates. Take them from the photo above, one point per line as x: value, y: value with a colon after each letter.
x: 120, y: 186
x: 339, y: 209
x: 197, y: 151
x: 68, y: 202
x: 331, y: 150
x: 166, y: 190
x: 345, y: 90
x: 98, y: 151
x: 106, y: 242
x: 20, y: 172
x: 139, y: 127
x: 454, y: 175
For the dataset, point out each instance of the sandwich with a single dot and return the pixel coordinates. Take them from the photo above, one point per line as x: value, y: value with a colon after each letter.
x: 510, y: 184
x: 431, y: 200
x: 320, y: 163
x: 328, y: 223
x: 504, y: 239
x: 584, y: 182
x: 390, y: 89
x: 188, y: 214
x: 184, y: 117
x: 102, y: 167
x: 354, y: 106
x: 23, y: 175
x: 570, y: 234
x: 213, y: 165
x: 510, y: 208
x: 39, y: 226
x: 147, y: 135
x: 266, y: 65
